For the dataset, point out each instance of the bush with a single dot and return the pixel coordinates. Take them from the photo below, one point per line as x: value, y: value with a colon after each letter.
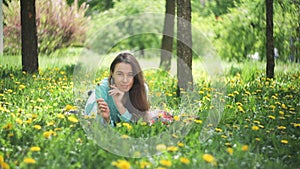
x: 58, y: 25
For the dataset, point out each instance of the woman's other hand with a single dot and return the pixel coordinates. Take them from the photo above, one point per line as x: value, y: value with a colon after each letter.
x: 103, y: 109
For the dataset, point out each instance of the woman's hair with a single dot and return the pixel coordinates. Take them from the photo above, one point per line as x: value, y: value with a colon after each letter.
x: 136, y: 99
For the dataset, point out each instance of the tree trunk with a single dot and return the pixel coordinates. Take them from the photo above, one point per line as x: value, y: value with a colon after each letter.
x: 184, y: 46
x: 1, y: 28
x: 29, y: 36
x: 168, y: 34
x: 270, y: 40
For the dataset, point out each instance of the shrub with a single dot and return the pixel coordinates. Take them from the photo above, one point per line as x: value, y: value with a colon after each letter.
x: 58, y: 25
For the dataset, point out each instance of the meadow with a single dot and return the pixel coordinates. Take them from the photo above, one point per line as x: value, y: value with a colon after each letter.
x: 259, y: 126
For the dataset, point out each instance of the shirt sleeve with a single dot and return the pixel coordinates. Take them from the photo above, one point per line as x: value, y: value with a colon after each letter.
x: 126, y: 117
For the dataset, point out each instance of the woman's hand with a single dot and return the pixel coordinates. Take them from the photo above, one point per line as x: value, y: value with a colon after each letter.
x: 103, y: 109
x: 117, y: 96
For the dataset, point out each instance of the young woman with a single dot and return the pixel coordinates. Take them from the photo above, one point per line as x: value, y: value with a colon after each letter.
x: 123, y: 95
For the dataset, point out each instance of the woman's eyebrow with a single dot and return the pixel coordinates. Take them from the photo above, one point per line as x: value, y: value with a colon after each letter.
x: 118, y: 71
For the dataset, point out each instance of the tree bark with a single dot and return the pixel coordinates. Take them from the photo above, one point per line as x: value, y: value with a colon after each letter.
x: 29, y: 36
x: 184, y: 46
x: 1, y: 28
x: 168, y: 34
x: 270, y: 39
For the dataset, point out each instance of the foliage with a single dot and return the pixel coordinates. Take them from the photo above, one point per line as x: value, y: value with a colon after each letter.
x: 117, y: 28
x: 95, y: 6
x: 241, y: 32
x: 259, y: 127
x: 58, y: 26
x: 215, y: 7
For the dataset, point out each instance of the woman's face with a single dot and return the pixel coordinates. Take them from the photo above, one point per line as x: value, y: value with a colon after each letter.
x: 123, y: 76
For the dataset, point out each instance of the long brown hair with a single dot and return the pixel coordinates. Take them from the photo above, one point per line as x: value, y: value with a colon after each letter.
x: 135, y: 100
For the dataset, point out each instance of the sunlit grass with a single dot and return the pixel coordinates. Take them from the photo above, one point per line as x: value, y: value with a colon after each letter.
x: 259, y: 127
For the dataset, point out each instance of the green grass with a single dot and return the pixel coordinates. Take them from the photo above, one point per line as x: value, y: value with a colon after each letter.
x: 259, y: 127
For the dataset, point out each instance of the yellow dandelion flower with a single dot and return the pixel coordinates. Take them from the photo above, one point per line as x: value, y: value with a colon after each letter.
x: 292, y: 109
x: 239, y: 103
x: 158, y: 94
x: 161, y: 147
x: 40, y: 100
x: 48, y: 134
x: 61, y: 116
x: 283, y: 106
x: 21, y: 87
x: 236, y: 92
x: 1, y: 159
x: 180, y: 144
x: 38, y: 127
x: 296, y: 124
x: 209, y: 158
x: 35, y: 148
x: 121, y: 164
x: 271, y: 117
x: 184, y: 160
x: 281, y: 127
x: 58, y: 129
x: 245, y: 148
x: 8, y: 126
x: 124, y: 136
x: 223, y: 136
x: 257, y: 139
x: 29, y: 160
x: 256, y: 121
x: 68, y: 107
x: 73, y: 119
x: 241, y: 109
x: 3, y: 165
x: 229, y: 150
x: 172, y: 148
x: 227, y: 144
x: 235, y: 126
x: 175, y: 136
x: 255, y: 128
x: 127, y: 125
x: 218, y: 130
x: 176, y: 118
x: 144, y: 164
x: 51, y: 123
x: 230, y: 95
x: 284, y: 141
x: 166, y: 163
x: 19, y: 121
x: 198, y: 121
x: 281, y: 112
x: 143, y: 123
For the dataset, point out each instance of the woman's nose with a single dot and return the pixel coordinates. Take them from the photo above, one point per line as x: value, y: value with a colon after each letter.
x: 125, y: 78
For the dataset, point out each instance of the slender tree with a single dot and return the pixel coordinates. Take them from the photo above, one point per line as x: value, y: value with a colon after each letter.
x: 1, y: 28
x: 270, y: 39
x: 184, y: 45
x: 29, y: 36
x: 168, y: 34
